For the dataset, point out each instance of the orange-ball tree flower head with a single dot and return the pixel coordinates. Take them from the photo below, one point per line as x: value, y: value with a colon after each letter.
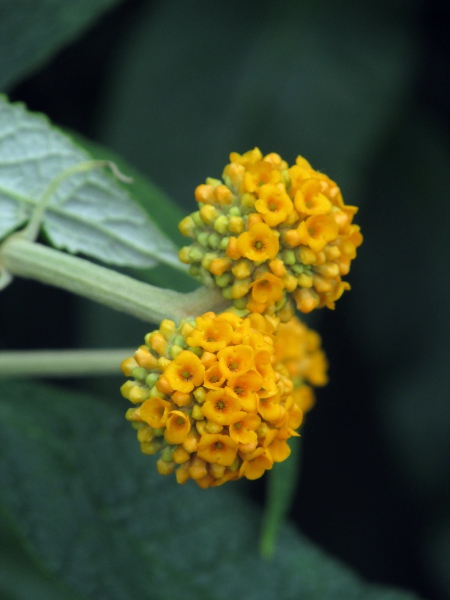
x: 223, y: 408
x: 267, y: 218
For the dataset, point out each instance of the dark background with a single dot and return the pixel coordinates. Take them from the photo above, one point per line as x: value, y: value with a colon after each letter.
x: 362, y: 90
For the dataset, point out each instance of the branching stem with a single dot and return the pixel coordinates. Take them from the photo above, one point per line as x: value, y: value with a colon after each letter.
x: 21, y: 257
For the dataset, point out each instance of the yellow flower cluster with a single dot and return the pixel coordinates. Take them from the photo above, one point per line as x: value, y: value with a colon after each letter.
x: 272, y: 236
x: 219, y: 396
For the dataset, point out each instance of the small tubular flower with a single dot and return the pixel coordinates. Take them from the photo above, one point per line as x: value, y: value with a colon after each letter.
x: 268, y: 219
x: 215, y: 414
x: 274, y: 204
x: 185, y: 372
x: 259, y: 243
x: 220, y: 449
x: 220, y: 407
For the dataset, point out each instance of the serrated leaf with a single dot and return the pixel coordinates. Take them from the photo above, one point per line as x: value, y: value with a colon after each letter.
x: 99, y: 516
x: 32, y: 30
x: 88, y: 213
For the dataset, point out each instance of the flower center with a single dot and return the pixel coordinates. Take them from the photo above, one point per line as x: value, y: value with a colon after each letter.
x: 239, y: 390
x: 214, y: 379
x: 233, y: 366
x: 220, y: 405
x: 180, y: 421
x: 218, y: 445
x: 186, y: 375
x: 258, y: 245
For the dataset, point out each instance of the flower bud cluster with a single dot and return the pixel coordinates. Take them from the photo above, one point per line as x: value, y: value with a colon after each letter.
x: 219, y: 396
x: 272, y: 236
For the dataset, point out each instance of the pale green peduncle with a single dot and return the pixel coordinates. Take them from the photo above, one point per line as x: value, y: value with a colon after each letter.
x: 21, y: 257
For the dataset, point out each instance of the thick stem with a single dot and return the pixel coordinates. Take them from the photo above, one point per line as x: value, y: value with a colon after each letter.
x: 62, y: 363
x: 21, y: 257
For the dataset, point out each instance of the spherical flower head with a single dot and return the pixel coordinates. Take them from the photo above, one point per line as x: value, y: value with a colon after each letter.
x: 265, y: 219
x: 298, y: 352
x: 215, y: 396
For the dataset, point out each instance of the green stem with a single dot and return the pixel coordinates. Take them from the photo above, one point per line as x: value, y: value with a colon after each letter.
x: 24, y: 258
x: 281, y: 484
x: 62, y: 363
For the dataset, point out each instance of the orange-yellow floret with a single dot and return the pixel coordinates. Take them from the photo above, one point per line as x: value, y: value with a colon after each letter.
x: 154, y: 411
x: 235, y: 360
x: 185, y: 372
x: 267, y: 289
x: 217, y: 448
x: 259, y: 243
x: 220, y: 406
x: 177, y: 427
x: 274, y: 204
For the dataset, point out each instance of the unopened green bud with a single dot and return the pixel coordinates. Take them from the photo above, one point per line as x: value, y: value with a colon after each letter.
x: 213, y: 182
x: 288, y: 257
x: 226, y: 293
x: 223, y: 280
x: 214, y: 240
x: 202, y: 238
x: 179, y: 340
x: 150, y: 447
x: 298, y: 269
x: 207, y: 259
x: 240, y: 303
x: 151, y: 379
x: 197, y: 219
x: 206, y: 278
x: 139, y: 373
x: 197, y: 413
x: 167, y: 453
x: 195, y: 350
x: 224, y: 243
x: 234, y: 211
x: 196, y: 254
x: 175, y: 351
x: 221, y: 224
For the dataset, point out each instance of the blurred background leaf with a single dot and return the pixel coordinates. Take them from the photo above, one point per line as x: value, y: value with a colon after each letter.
x: 131, y: 532
x: 32, y: 31
x: 22, y: 576
x: 362, y: 90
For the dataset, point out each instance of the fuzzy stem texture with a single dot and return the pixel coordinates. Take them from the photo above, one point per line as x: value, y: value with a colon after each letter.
x: 62, y: 363
x: 23, y: 258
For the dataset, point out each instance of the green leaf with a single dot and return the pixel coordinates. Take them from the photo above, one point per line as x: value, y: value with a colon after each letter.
x: 163, y: 210
x: 100, y: 518
x: 22, y: 576
x: 88, y: 213
x: 31, y: 31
